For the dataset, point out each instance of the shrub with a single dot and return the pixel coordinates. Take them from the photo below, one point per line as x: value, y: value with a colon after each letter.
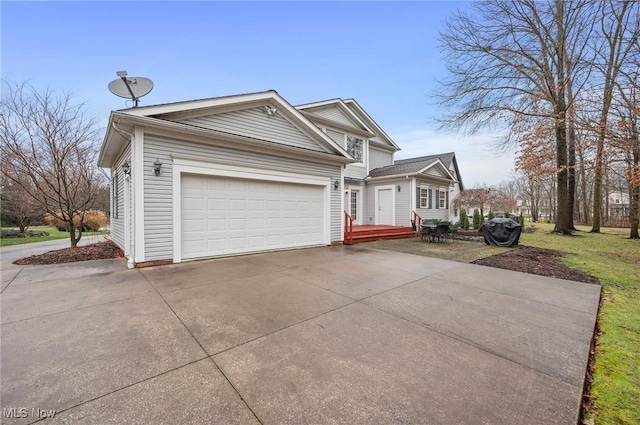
x: 476, y: 219
x: 94, y: 220
x: 521, y: 218
x: 491, y: 215
x: 464, y: 219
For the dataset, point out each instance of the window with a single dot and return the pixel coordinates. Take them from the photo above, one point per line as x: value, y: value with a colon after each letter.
x: 115, y: 192
x: 424, y: 198
x: 442, y: 196
x: 354, y: 205
x: 354, y: 148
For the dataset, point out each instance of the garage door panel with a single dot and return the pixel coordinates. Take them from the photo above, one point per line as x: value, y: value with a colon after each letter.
x: 223, y: 216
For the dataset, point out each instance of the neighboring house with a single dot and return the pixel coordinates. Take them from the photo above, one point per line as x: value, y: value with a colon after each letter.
x: 251, y: 172
x: 619, y: 206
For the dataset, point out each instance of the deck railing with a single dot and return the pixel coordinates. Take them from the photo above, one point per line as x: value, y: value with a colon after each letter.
x: 418, y: 222
x: 348, y: 229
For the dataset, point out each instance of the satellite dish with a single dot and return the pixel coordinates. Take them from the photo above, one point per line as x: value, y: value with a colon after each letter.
x: 130, y: 87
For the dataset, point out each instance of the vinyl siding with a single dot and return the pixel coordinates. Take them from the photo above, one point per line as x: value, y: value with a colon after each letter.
x: 337, y: 137
x: 433, y: 213
x: 378, y: 158
x: 403, y: 199
x: 334, y: 114
x: 255, y: 123
x: 117, y: 224
x: 158, y: 189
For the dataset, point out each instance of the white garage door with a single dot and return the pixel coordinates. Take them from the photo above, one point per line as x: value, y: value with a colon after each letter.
x: 222, y: 216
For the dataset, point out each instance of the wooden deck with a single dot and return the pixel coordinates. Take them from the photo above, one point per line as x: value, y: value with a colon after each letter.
x: 368, y: 233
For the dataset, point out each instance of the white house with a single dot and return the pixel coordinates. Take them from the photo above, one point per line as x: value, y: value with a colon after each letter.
x: 249, y: 173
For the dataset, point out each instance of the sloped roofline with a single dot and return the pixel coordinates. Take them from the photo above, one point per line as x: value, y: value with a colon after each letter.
x: 342, y: 106
x: 372, y: 122
x: 205, y: 106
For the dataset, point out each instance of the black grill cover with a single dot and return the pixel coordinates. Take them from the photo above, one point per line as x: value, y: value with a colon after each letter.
x: 501, y: 232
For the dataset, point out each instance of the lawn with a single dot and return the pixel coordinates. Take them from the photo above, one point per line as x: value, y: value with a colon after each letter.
x: 615, y: 259
x: 53, y: 235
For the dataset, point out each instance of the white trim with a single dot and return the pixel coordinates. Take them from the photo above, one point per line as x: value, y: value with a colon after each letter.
x: 127, y: 217
x: 393, y: 203
x: 413, y: 200
x: 137, y: 173
x: 181, y: 166
x: 359, y: 192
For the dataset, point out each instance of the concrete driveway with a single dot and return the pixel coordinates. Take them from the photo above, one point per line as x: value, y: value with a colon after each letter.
x: 336, y: 335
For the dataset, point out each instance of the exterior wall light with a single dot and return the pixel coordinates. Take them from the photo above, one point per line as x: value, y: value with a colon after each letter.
x: 156, y: 167
x: 399, y: 188
x: 336, y: 185
x: 126, y: 168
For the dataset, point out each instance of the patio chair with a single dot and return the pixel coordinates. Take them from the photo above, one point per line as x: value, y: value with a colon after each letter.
x: 442, y: 230
x: 426, y: 229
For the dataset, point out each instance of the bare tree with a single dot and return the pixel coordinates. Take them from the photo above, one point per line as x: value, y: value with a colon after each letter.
x: 620, y: 30
x: 48, y: 148
x: 510, y: 56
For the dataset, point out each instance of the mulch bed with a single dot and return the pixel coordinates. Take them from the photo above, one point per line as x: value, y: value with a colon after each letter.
x: 96, y: 251
x: 538, y: 261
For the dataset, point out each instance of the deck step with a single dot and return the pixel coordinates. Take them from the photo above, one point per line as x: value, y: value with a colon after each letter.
x: 370, y: 237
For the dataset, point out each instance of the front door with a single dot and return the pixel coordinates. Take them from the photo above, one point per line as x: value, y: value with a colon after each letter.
x: 385, y: 206
x: 354, y: 206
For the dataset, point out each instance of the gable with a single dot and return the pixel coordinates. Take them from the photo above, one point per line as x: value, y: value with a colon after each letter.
x: 264, y: 118
x: 253, y: 122
x: 333, y: 113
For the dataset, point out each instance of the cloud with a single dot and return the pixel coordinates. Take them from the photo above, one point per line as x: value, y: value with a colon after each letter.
x: 479, y: 160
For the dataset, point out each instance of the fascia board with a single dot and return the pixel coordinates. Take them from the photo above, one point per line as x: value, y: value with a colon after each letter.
x: 215, y: 137
x: 188, y: 105
x: 372, y: 122
x: 336, y: 125
x: 439, y: 163
x: 344, y: 108
x: 207, y: 106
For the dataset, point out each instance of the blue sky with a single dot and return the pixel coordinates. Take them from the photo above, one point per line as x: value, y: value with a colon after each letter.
x: 383, y: 54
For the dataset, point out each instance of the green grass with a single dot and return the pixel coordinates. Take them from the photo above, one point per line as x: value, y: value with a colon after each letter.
x: 615, y: 259
x: 53, y: 235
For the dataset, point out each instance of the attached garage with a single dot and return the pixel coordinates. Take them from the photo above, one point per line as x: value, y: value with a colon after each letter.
x: 222, y: 176
x: 224, y: 216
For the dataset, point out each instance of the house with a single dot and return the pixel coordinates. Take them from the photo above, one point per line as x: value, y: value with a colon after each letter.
x: 249, y: 173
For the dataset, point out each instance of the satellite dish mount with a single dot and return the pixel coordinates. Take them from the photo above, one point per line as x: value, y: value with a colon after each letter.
x: 130, y: 88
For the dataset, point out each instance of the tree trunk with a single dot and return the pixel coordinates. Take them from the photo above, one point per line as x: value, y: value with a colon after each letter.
x: 72, y: 233
x: 561, y: 216
x: 583, y: 188
x: 634, y: 210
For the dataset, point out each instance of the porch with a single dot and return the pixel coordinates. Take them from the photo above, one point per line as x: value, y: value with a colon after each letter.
x: 357, y: 233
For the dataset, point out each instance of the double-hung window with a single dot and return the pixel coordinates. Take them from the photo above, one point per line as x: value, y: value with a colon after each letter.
x: 442, y: 196
x: 355, y: 148
x: 424, y: 198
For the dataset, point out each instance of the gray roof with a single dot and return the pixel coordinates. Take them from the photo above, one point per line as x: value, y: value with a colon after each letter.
x: 412, y: 165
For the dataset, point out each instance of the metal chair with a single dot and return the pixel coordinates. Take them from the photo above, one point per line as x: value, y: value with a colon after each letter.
x: 442, y: 230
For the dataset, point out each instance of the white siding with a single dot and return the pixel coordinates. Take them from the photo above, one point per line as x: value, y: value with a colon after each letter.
x: 337, y: 137
x: 158, y: 189
x: 433, y: 212
x: 255, y: 123
x: 403, y: 199
x: 117, y: 224
x: 379, y: 158
x: 355, y: 171
x: 334, y: 114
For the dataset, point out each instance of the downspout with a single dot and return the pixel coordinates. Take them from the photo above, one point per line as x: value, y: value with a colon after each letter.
x: 132, y: 211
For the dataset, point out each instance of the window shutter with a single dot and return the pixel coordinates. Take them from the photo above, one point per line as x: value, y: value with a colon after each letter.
x: 447, y: 199
x: 430, y: 196
x: 417, y: 197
